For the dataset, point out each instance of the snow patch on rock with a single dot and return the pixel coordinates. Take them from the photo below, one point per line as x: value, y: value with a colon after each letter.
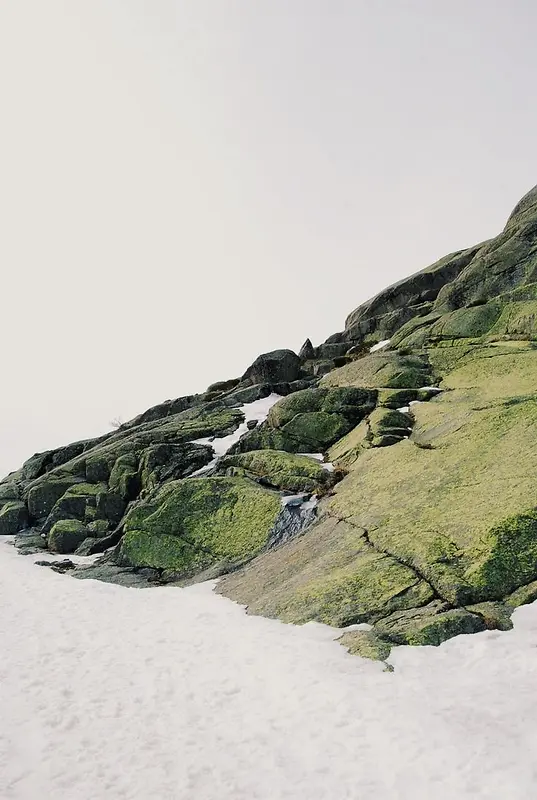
x: 379, y: 345
x: 258, y: 411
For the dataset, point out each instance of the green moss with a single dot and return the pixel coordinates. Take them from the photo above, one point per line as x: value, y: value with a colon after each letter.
x: 124, y: 477
x: 467, y: 323
x: 509, y: 556
x: 397, y: 398
x: 13, y: 517
x: 307, y: 415
x: 382, y: 370
x: 98, y: 528
x: 316, y: 430
x: 496, y: 616
x: 43, y: 494
x: 211, y: 518
x: 387, y: 420
x: 345, y: 452
x: 526, y: 292
x: 297, y: 403
x: 439, y: 509
x: 264, y: 438
x: 376, y: 585
x: 366, y: 644
x: 518, y: 319
x: 330, y: 574
x: 421, y: 627
x: 350, y: 401
x: 9, y: 491
x: 86, y: 489
x: 522, y: 595
x: 279, y: 469
x: 66, y: 535
x: 162, y: 551
x: 98, y: 466
x: 415, y: 332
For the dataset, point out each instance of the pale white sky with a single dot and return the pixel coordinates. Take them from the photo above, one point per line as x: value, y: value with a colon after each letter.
x: 187, y: 183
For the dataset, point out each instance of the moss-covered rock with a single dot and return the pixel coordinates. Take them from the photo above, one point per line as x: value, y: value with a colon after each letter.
x: 86, y: 502
x: 388, y: 427
x: 366, y: 644
x: 517, y: 320
x: 430, y: 538
x: 331, y: 574
x: 263, y: 437
x: 45, y: 492
x: 315, y: 431
x: 124, y: 477
x: 466, y: 323
x: 164, y: 462
x: 189, y: 525
x: 98, y: 528
x: 344, y: 453
x: 280, y: 470
x: 452, y: 504
x: 522, y: 595
x: 398, y: 398
x: 66, y: 535
x: 13, y: 517
x: 9, y: 491
x: 430, y: 625
x: 389, y: 370
x: 348, y: 402
x: 310, y: 420
x: 496, y: 616
x: 286, y: 409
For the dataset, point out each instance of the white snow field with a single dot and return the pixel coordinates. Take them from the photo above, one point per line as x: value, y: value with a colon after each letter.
x: 163, y: 694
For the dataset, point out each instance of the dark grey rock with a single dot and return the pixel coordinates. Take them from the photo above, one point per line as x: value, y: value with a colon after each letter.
x: 278, y: 366
x: 13, y: 517
x: 307, y: 351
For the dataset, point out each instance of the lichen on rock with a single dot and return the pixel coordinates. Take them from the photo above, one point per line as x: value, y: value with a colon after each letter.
x: 188, y: 525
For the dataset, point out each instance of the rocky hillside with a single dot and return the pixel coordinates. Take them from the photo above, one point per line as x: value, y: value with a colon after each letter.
x: 384, y: 477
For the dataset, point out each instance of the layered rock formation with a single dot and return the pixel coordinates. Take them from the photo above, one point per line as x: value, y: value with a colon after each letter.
x: 426, y: 522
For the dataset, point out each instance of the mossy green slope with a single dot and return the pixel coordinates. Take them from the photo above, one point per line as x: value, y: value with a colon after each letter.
x: 453, y: 505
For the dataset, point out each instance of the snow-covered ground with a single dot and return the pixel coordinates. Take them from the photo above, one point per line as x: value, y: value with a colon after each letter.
x: 108, y: 693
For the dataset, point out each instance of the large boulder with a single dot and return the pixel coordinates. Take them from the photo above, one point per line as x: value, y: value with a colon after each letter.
x: 13, y: 517
x: 66, y: 536
x: 164, y: 462
x: 279, y: 470
x: 43, y: 494
x: 279, y: 366
x: 310, y: 420
x: 189, y: 525
x: 87, y: 502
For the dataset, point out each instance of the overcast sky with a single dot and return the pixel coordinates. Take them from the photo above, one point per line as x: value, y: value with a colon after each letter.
x: 185, y: 184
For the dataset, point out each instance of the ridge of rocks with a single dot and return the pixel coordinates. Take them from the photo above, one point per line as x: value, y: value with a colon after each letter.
x: 425, y: 525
